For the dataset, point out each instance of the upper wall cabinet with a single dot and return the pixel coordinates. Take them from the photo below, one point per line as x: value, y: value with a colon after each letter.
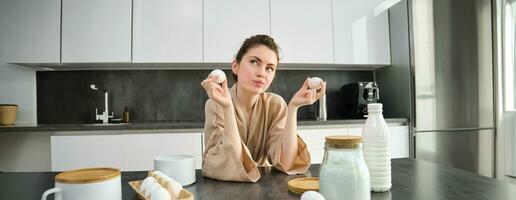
x: 96, y: 31
x: 228, y: 22
x: 303, y: 30
x: 361, y: 32
x: 167, y: 31
x: 30, y: 31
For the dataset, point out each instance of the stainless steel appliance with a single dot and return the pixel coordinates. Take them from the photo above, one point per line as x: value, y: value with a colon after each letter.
x: 453, y: 112
x: 355, y: 97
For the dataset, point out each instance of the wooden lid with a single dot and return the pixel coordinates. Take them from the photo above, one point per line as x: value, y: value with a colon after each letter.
x: 8, y: 105
x: 343, y: 141
x: 88, y: 175
x: 301, y: 185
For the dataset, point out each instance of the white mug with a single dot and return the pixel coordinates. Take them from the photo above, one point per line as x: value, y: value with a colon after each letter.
x: 103, y: 187
x: 179, y: 167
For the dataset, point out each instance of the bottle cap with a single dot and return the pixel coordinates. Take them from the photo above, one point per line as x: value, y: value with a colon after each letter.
x: 374, y: 107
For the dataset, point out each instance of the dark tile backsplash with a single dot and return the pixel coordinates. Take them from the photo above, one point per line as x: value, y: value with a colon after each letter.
x: 65, y: 97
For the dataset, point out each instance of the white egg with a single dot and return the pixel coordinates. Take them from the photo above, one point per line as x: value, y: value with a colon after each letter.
x: 151, y: 188
x: 156, y: 172
x: 314, y: 82
x: 173, y: 187
x: 159, y: 176
x: 312, y: 195
x: 160, y: 194
x: 146, y: 182
x: 221, y: 76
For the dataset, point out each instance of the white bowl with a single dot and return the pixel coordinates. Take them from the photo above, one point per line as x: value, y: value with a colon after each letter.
x: 178, y: 167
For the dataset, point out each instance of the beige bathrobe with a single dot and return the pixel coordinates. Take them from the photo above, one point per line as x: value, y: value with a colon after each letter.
x: 260, y: 138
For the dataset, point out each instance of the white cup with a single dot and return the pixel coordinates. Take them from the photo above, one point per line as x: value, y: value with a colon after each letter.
x: 103, y: 187
x: 179, y: 167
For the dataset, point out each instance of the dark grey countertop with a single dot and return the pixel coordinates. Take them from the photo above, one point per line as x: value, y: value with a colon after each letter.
x: 411, y: 179
x: 165, y: 125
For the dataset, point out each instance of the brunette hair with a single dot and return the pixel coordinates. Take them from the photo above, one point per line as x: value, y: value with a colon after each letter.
x: 252, y: 42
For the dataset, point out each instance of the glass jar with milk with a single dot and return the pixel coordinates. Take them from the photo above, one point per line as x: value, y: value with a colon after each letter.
x: 344, y: 173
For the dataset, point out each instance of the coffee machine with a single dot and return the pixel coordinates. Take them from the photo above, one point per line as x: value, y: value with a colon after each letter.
x: 355, y: 97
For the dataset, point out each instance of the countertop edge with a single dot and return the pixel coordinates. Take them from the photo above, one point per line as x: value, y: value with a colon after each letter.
x: 179, y: 126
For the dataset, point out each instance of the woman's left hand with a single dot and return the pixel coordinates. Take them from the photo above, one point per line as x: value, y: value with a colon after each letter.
x: 305, y: 96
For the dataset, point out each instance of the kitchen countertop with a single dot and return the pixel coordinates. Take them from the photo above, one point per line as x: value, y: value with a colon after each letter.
x: 167, y: 125
x: 411, y: 179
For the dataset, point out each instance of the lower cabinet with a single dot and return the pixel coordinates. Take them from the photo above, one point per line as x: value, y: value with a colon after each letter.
x: 84, y: 151
x: 140, y: 149
x: 136, y: 152
x: 315, y: 138
x: 129, y: 152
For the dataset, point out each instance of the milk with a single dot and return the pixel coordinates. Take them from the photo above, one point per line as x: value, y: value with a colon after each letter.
x: 377, y: 136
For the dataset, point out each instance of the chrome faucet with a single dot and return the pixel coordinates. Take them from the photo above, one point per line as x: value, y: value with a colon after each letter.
x: 105, y: 115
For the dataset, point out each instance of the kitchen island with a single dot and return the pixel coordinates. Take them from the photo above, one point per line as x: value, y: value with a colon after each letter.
x: 411, y: 179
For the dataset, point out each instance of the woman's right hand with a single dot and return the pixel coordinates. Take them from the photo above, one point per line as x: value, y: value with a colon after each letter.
x: 216, y: 92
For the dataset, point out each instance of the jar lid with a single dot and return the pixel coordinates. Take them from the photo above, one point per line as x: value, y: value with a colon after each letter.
x: 88, y: 175
x: 301, y: 185
x: 9, y: 105
x: 343, y: 141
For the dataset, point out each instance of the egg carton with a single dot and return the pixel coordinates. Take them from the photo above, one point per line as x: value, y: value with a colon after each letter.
x: 183, y: 194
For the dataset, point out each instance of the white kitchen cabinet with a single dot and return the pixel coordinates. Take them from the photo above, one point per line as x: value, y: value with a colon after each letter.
x: 303, y: 30
x: 315, y: 139
x: 96, y: 31
x: 361, y: 36
x: 227, y: 23
x: 30, y: 31
x: 399, y: 141
x: 355, y: 131
x: 140, y: 149
x: 84, y: 151
x: 167, y: 31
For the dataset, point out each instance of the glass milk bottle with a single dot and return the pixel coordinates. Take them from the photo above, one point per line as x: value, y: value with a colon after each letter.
x: 377, y: 138
x: 344, y: 173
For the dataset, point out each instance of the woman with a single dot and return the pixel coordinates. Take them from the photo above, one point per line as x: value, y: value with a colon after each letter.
x: 245, y: 126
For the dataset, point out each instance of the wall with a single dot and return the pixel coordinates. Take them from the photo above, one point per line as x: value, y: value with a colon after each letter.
x: 19, y: 151
x: 160, y: 95
x: 394, y: 81
x: 17, y: 84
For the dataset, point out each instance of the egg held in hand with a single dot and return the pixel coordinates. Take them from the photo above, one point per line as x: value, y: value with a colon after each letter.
x: 314, y: 82
x: 221, y: 76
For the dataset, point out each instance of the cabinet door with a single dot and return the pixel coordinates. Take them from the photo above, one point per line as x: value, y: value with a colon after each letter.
x: 167, y: 31
x: 30, y: 31
x: 140, y: 149
x: 315, y: 139
x: 361, y: 36
x: 399, y: 140
x: 227, y: 23
x: 303, y: 30
x: 96, y: 31
x: 74, y: 152
x: 355, y: 131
